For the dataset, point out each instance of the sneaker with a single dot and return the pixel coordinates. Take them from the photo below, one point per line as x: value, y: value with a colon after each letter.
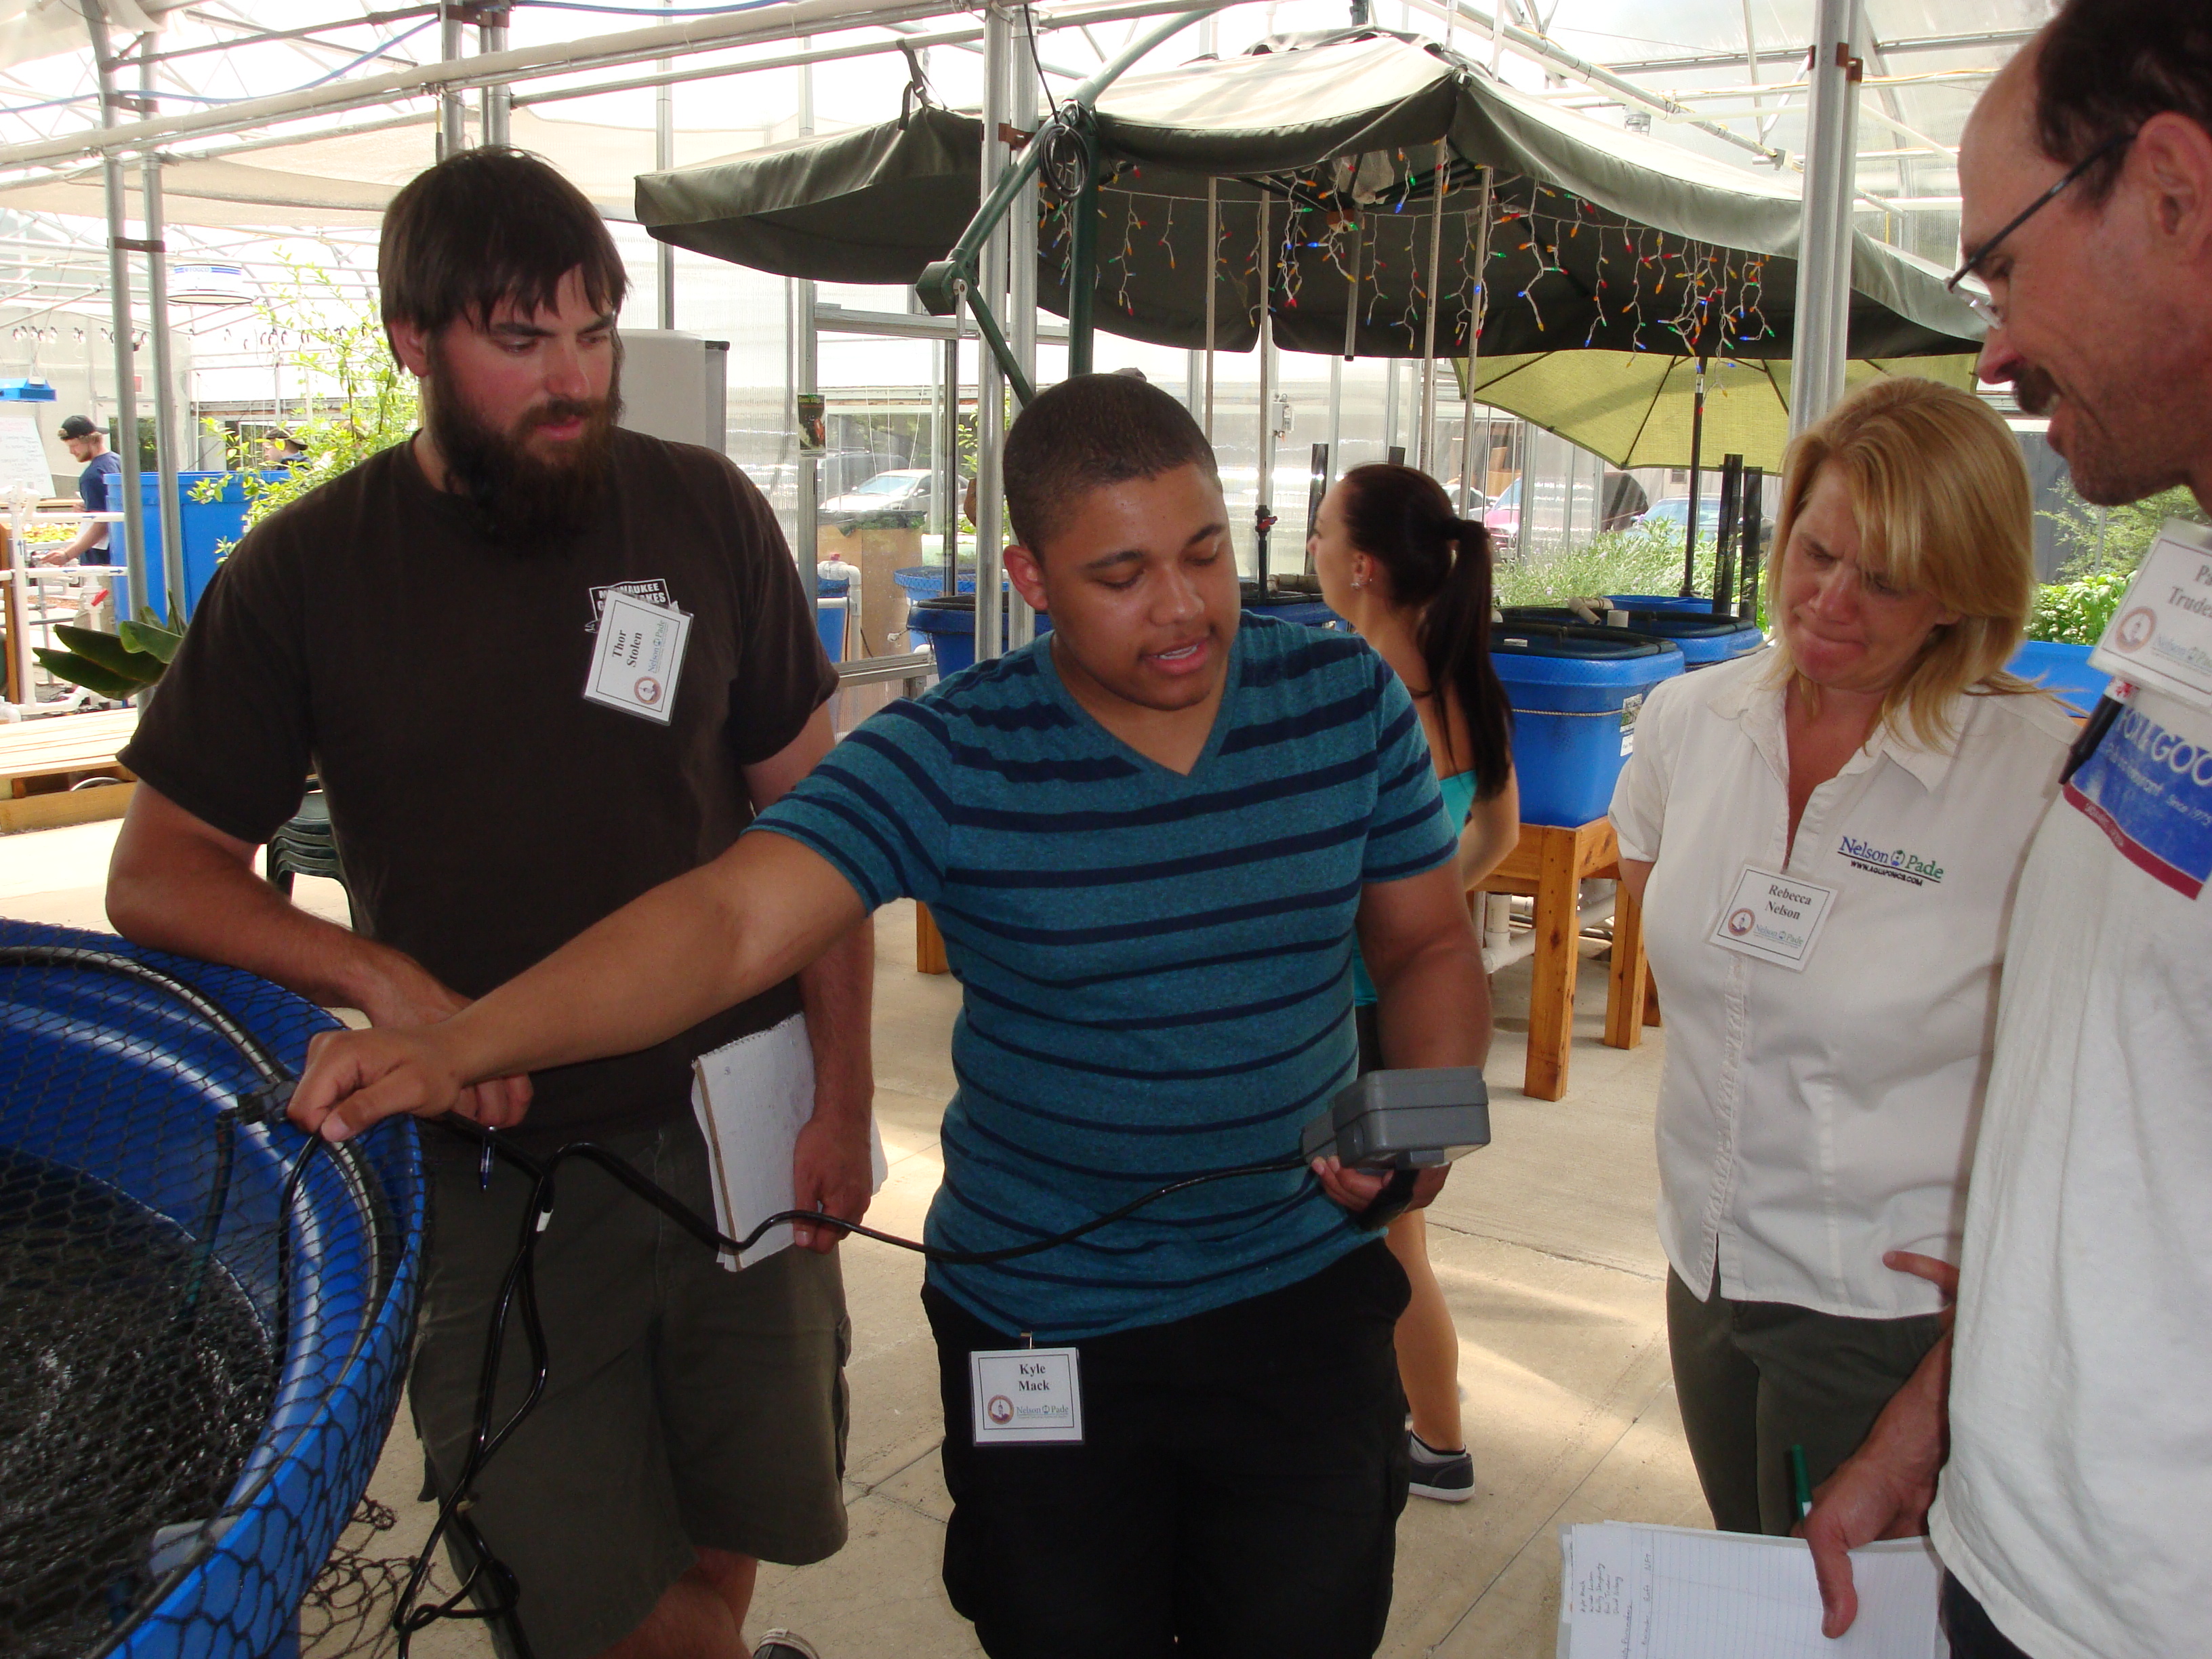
x: 783, y: 1645
x: 1448, y: 1477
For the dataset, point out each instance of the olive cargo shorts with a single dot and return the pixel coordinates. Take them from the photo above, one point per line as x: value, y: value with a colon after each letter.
x: 684, y: 1406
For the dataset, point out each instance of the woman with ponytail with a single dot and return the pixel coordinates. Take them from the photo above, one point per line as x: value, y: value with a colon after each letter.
x: 1413, y: 579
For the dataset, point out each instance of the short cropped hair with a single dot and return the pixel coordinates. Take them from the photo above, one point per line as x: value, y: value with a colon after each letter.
x: 1944, y: 507
x: 2105, y: 66
x: 487, y: 228
x: 1093, y: 430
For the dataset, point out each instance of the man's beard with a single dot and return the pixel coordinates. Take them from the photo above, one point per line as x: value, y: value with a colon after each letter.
x: 518, y: 499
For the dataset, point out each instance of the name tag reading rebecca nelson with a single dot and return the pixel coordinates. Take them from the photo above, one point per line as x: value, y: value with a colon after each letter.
x: 1773, y: 918
x: 1026, y: 1396
x: 637, y: 656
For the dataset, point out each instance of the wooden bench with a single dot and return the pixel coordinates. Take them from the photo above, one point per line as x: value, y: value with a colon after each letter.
x: 43, y: 760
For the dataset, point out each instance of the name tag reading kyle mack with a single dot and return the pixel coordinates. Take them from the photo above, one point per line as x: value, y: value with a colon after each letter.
x: 1026, y: 1397
x: 1775, y: 919
x: 637, y: 656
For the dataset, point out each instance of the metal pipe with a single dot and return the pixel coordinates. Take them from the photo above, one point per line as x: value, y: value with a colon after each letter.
x: 1213, y: 291
x: 664, y: 158
x: 452, y: 114
x: 168, y: 436
x: 1440, y: 182
x: 118, y: 285
x: 1082, y: 264
x: 1262, y: 519
x: 1824, y: 235
x: 990, y: 290
x: 498, y: 98
x: 947, y: 442
x: 1697, y: 468
x: 1478, y: 311
x: 1021, y: 239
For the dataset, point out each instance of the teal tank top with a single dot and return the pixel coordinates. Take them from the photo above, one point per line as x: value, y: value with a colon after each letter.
x: 1459, y: 800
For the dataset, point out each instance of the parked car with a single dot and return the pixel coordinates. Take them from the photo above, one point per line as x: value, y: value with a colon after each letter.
x: 905, y: 489
x: 1672, y: 511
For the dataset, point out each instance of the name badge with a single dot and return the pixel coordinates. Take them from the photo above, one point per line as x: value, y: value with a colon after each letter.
x: 2161, y: 634
x: 637, y: 656
x: 1026, y: 1396
x: 1773, y: 918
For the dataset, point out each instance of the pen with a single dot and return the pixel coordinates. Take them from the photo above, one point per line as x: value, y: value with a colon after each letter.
x: 1801, y: 1485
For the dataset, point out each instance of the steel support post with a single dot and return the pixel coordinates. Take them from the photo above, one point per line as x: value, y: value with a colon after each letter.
x: 990, y: 380
x: 1212, y: 293
x: 169, y: 435
x: 1263, y: 519
x: 497, y: 101
x: 452, y: 111
x: 1478, y: 308
x: 664, y: 158
x: 126, y: 369
x: 1824, y: 268
x: 1023, y: 111
x: 1440, y: 182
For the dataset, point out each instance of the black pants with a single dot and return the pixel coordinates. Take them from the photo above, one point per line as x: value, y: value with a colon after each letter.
x: 1236, y: 1497
x: 1972, y: 1634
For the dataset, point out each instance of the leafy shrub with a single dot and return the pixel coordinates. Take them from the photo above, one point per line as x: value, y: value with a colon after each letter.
x: 2076, y: 612
x: 2114, y: 539
x: 1633, y: 561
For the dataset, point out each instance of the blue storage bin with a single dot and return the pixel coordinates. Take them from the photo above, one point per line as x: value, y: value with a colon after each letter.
x: 1702, y: 638
x: 205, y: 525
x: 831, y: 602
x: 1701, y: 604
x: 1575, y: 692
x: 2064, y: 670
x: 948, y: 622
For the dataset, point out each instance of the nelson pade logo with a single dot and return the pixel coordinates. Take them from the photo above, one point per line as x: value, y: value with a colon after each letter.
x: 1894, y: 862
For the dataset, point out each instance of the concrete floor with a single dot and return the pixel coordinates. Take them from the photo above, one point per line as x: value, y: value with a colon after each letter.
x: 1544, y: 1243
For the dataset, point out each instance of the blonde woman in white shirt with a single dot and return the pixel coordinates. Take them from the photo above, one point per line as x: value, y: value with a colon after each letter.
x: 1827, y: 837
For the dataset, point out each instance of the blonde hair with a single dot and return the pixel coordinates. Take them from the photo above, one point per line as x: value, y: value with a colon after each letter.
x: 1944, y: 507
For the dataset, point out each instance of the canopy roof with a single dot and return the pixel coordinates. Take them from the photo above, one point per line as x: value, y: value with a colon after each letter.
x: 1595, y: 236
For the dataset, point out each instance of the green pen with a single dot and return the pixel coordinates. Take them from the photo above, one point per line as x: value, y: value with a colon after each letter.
x: 1801, y: 1484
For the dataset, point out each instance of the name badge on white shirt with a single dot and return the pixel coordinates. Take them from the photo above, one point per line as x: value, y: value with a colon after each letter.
x: 1026, y: 1396
x: 637, y: 656
x: 1773, y: 918
x: 2161, y: 634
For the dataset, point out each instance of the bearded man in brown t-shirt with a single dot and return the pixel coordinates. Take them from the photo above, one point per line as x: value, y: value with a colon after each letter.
x: 438, y: 637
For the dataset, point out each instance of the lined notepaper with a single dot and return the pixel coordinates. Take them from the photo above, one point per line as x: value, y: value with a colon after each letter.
x: 1639, y: 1592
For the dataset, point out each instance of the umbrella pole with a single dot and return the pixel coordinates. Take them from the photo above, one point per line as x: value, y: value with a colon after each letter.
x: 1212, y: 285
x: 1477, y: 305
x: 1696, y: 456
x: 1083, y: 263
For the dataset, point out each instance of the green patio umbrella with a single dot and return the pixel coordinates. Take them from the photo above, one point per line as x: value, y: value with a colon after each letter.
x: 1639, y: 407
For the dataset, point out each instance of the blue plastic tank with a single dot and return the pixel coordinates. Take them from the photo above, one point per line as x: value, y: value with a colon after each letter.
x: 947, y: 620
x: 1697, y: 604
x: 923, y: 581
x: 832, y: 602
x: 2064, y: 670
x: 1575, y: 692
x: 1702, y: 638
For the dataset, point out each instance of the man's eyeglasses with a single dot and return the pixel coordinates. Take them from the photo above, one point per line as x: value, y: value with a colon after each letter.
x: 1980, y: 304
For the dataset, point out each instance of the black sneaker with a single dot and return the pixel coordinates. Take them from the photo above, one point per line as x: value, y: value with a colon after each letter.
x: 1447, y: 1477
x: 782, y: 1645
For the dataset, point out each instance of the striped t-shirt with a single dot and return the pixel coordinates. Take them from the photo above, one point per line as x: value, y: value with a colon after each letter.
x: 1156, y: 967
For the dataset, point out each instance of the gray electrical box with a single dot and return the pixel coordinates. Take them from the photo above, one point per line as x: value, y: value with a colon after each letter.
x: 1406, y: 1120
x: 675, y: 386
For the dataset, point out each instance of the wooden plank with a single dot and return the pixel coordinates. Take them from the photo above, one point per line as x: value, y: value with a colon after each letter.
x: 928, y: 944
x: 108, y: 800
x: 1624, y: 996
x: 65, y: 742
x: 1552, y: 990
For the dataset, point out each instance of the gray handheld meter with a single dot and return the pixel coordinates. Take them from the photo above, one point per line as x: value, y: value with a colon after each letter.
x: 1404, y: 1119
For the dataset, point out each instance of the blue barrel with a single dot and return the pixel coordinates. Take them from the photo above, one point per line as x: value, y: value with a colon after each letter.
x: 112, y: 1086
x: 207, y: 527
x: 923, y: 581
x: 1694, y: 602
x: 948, y: 622
x: 1702, y: 638
x: 1575, y: 692
x: 2064, y: 670
x: 831, y: 604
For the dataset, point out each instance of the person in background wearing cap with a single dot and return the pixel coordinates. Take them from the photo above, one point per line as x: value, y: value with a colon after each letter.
x: 279, y: 448
x: 101, y: 488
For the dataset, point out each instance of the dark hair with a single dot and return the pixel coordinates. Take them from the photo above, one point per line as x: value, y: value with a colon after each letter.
x: 1092, y: 430
x: 2105, y: 66
x: 1439, y: 565
x: 489, y: 227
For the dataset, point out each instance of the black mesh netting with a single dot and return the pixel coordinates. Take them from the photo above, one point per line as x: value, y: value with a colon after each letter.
x: 203, y: 1319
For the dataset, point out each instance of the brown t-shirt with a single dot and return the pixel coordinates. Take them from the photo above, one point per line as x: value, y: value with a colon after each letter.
x: 485, y: 812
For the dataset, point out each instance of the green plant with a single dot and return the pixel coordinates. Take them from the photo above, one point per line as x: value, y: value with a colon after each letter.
x: 2114, y: 539
x: 1638, y: 560
x: 2076, y: 612
x: 119, y: 665
x: 335, y: 340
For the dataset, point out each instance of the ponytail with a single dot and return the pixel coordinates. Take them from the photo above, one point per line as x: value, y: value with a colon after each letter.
x: 1440, y: 565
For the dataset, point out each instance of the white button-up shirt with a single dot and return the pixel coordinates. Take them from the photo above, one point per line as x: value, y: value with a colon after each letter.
x: 1809, y: 1120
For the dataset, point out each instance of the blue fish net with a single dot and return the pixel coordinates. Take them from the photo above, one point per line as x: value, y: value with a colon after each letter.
x: 204, y: 1319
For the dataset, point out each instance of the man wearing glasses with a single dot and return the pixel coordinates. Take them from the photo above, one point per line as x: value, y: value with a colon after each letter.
x: 2074, y: 1508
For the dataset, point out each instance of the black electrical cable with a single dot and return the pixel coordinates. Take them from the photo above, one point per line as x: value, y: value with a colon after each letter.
x: 518, y: 1286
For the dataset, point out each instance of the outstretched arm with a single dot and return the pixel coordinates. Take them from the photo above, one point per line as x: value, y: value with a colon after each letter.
x: 689, y: 948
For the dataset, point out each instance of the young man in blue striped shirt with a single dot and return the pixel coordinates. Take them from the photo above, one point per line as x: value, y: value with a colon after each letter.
x: 1150, y: 839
